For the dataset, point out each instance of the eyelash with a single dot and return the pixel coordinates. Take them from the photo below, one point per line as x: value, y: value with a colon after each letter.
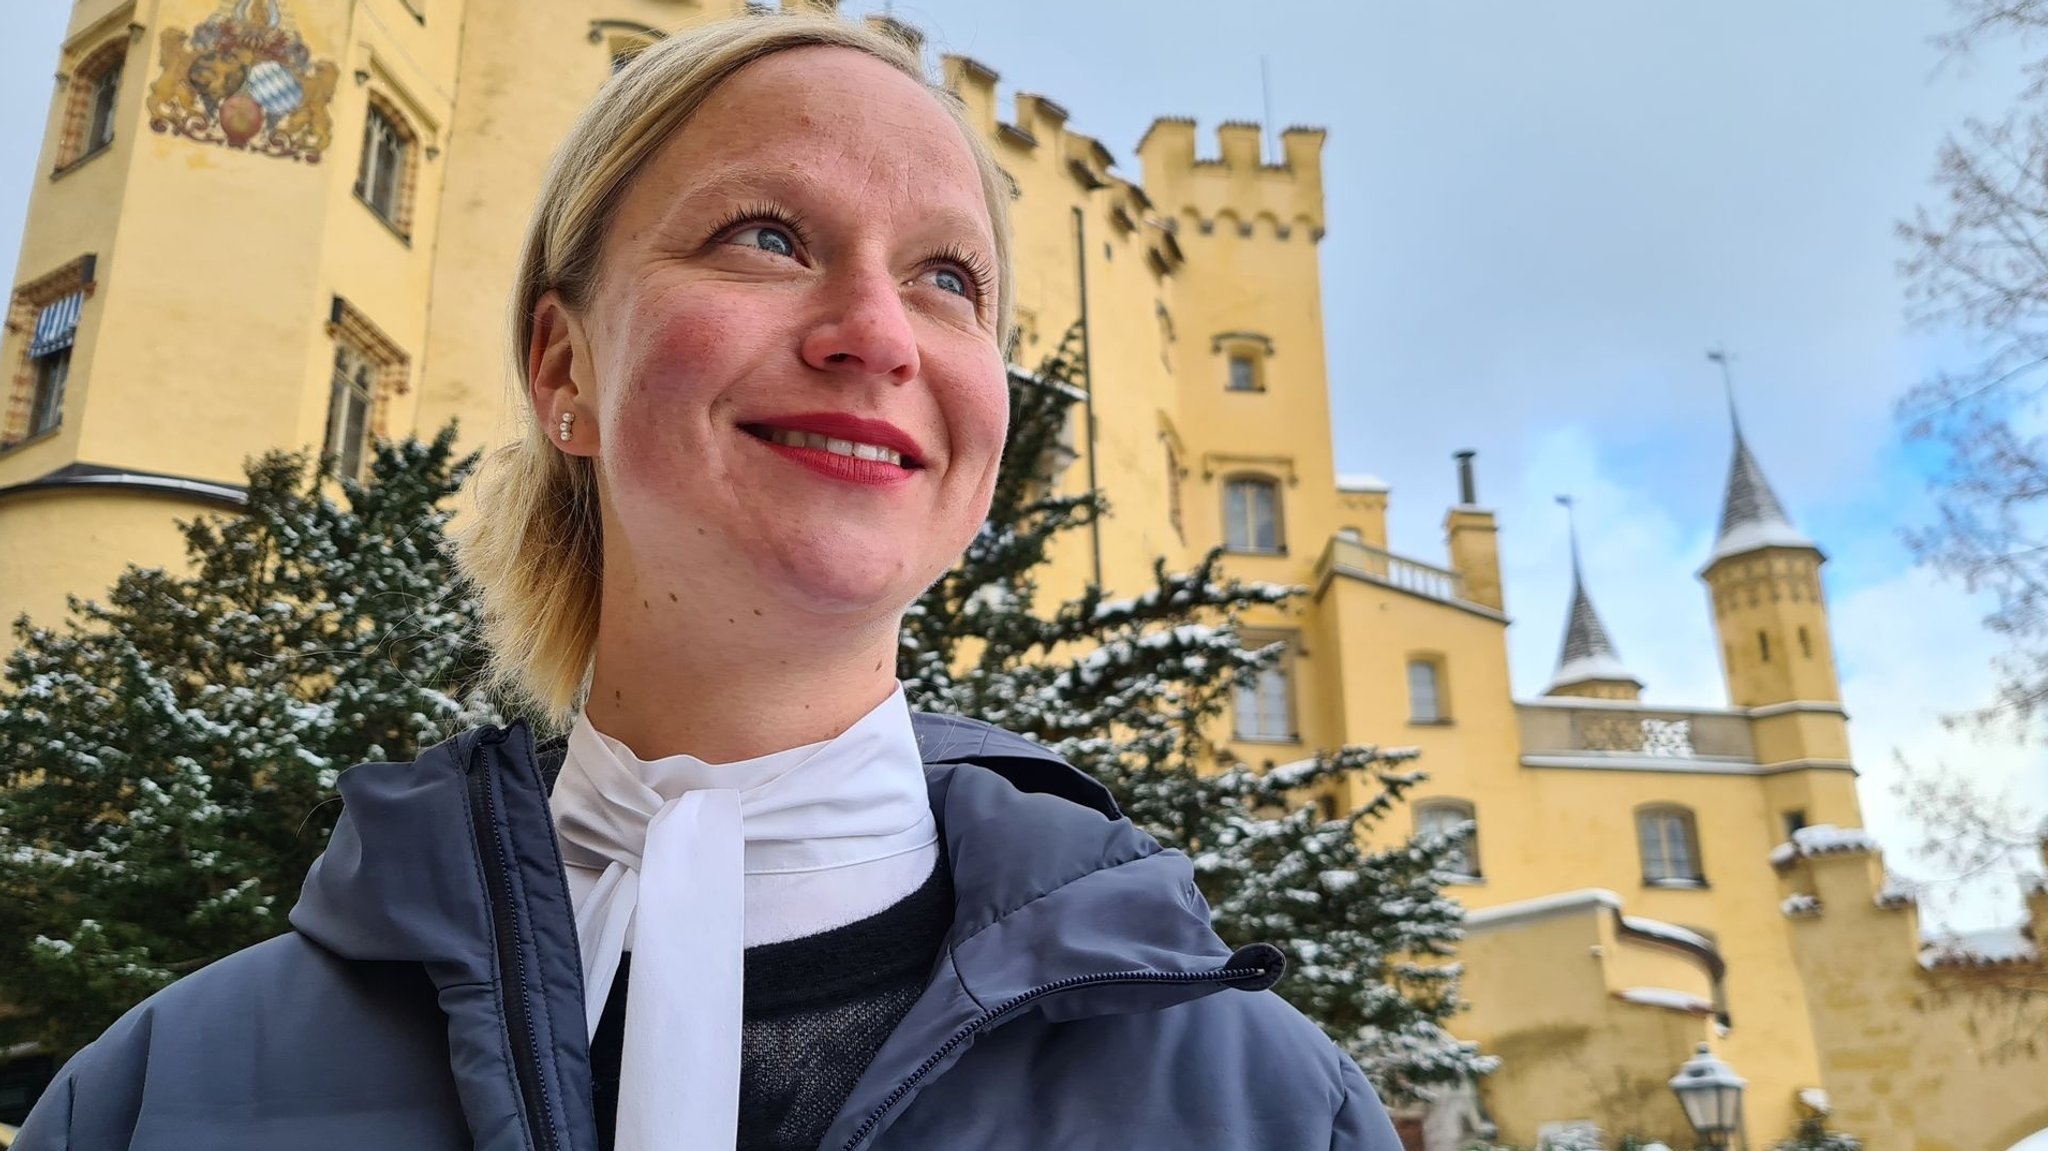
x: 979, y: 275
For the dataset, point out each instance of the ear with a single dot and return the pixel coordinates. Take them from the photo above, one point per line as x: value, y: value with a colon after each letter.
x: 558, y: 368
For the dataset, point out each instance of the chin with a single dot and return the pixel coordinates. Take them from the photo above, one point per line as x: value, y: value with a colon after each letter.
x: 849, y: 581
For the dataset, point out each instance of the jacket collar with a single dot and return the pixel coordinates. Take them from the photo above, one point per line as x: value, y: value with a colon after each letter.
x: 1061, y: 905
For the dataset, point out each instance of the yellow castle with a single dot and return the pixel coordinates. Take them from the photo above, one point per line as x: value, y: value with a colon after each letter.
x: 265, y: 223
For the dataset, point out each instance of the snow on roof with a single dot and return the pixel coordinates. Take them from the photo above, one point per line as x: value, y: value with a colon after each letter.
x: 1990, y: 947
x: 1800, y: 904
x: 1541, y: 908
x: 1604, y: 666
x: 1896, y: 893
x: 1815, y: 1100
x: 1666, y: 998
x: 1822, y: 839
x: 1670, y: 933
x: 1360, y: 482
x: 1759, y: 534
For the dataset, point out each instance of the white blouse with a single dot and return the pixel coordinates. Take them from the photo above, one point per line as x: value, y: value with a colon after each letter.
x: 687, y: 863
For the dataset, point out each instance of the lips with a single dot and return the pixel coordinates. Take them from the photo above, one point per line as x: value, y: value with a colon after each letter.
x: 843, y: 426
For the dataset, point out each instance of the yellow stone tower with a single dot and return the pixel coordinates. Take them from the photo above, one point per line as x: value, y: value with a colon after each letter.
x: 1777, y: 649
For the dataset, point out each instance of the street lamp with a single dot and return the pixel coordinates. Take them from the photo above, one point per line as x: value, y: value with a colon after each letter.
x: 1711, y: 1093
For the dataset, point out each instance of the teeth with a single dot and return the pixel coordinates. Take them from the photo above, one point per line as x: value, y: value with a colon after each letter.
x: 795, y: 439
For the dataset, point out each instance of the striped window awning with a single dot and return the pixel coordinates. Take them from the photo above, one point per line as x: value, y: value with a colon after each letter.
x: 56, y: 325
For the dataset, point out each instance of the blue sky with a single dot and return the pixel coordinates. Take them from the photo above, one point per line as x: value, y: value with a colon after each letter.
x: 1540, y: 216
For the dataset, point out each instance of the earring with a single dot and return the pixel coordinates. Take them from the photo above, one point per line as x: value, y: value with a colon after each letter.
x: 563, y: 432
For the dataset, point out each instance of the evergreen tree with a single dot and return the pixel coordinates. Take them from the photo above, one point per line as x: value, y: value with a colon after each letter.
x: 165, y: 756
x: 1131, y: 690
x: 1813, y: 1135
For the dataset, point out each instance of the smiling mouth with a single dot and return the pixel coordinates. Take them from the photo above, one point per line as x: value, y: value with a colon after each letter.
x: 852, y: 449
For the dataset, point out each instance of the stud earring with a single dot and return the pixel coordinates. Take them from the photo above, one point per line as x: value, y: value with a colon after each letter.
x: 563, y: 433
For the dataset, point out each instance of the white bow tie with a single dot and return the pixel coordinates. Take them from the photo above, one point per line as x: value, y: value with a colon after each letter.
x: 675, y: 840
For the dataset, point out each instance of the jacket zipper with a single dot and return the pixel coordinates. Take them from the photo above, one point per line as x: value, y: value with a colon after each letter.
x: 996, y: 1013
x: 517, y: 1000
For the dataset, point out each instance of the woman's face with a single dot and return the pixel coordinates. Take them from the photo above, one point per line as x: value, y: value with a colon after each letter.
x: 791, y: 353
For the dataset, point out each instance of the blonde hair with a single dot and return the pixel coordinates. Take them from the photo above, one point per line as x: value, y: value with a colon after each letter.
x: 534, y: 546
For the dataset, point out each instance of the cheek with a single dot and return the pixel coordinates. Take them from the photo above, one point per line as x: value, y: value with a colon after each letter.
x: 674, y: 358
x: 985, y: 414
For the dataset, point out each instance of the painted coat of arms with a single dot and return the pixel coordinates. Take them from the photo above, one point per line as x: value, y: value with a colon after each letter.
x: 245, y: 79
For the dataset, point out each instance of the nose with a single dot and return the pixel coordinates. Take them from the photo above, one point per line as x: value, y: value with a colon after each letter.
x: 864, y: 330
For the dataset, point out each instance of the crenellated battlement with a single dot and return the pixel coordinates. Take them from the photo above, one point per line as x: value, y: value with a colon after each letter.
x: 1238, y: 186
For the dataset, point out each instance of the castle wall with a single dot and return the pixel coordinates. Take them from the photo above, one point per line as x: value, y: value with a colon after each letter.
x: 1914, y: 1058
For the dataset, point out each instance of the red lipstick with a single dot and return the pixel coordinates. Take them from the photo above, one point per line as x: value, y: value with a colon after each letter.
x: 841, y: 426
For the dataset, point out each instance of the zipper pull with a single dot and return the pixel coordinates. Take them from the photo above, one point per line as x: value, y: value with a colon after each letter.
x: 1267, y: 961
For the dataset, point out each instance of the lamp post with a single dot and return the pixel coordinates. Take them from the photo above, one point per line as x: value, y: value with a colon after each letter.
x: 1711, y: 1093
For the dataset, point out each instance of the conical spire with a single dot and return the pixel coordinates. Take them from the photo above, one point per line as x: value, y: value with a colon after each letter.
x: 1751, y: 516
x: 1588, y: 656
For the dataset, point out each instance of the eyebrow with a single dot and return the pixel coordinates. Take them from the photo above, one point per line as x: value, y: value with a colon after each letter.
x: 792, y: 183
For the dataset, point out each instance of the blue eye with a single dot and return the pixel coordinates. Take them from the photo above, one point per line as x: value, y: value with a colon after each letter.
x: 949, y: 280
x: 768, y: 239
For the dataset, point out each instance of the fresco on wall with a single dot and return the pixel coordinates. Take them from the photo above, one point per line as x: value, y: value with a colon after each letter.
x: 245, y: 79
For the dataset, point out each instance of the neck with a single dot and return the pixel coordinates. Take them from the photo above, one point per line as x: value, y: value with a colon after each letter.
x: 728, y: 684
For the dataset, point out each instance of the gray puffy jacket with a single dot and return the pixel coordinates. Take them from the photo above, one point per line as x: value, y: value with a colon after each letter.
x: 430, y: 995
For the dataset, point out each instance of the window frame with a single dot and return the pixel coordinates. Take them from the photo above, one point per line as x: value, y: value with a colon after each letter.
x: 389, y: 156
x: 35, y: 407
x: 1242, y: 372
x: 390, y: 376
x: 92, y: 105
x: 1271, y: 723
x: 1439, y: 681
x: 1428, y: 811
x: 46, y: 394
x: 354, y: 385
x: 1666, y: 874
x: 1254, y: 480
x: 106, y: 102
x: 1253, y: 350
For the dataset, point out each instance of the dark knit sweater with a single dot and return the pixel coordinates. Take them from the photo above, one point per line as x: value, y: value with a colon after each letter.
x: 814, y: 1012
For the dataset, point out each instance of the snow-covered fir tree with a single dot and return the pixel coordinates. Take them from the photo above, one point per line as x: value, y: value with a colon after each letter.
x: 1132, y: 689
x: 166, y: 755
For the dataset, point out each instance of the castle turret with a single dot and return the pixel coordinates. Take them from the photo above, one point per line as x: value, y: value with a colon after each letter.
x: 1588, y: 665
x: 1777, y: 652
x: 1764, y: 575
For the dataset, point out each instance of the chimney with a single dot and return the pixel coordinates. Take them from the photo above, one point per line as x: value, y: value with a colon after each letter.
x: 1473, y: 543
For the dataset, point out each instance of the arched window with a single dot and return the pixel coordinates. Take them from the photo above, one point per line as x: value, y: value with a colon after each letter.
x: 1670, y: 842
x: 92, y: 98
x: 1426, y: 701
x: 1445, y: 816
x: 369, y: 369
x: 1264, y: 703
x: 1251, y: 516
x: 385, y: 172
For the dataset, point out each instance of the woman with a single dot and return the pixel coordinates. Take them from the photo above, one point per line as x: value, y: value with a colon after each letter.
x: 751, y: 900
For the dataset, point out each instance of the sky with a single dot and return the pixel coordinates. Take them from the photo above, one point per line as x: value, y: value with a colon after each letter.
x: 1540, y: 215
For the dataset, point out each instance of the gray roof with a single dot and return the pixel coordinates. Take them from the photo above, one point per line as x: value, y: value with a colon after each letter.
x: 1588, y: 654
x: 1751, y: 516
